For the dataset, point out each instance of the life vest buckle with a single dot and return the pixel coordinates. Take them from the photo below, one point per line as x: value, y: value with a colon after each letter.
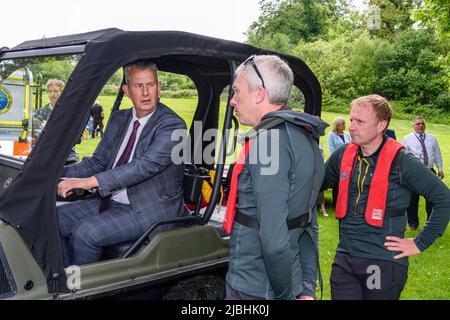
x: 357, y: 210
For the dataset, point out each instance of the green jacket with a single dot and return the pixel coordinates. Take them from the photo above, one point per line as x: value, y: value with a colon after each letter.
x: 408, y: 175
x: 274, y: 262
x: 40, y: 117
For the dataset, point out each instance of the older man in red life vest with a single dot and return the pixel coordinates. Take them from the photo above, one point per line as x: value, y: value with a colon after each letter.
x: 376, y: 178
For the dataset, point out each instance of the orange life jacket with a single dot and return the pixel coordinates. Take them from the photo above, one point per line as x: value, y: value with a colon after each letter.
x: 376, y: 203
x: 232, y: 197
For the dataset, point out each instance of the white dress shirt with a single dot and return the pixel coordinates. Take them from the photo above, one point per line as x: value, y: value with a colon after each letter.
x: 413, y: 146
x: 121, y: 195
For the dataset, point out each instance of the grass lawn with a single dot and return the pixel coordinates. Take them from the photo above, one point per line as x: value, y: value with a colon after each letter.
x: 429, y: 272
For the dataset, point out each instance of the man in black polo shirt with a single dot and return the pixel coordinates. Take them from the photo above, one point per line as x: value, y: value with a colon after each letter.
x: 376, y: 179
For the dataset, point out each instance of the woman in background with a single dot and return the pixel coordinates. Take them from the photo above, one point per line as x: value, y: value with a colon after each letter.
x: 336, y: 138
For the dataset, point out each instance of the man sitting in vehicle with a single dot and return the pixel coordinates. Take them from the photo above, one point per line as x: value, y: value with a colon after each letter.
x: 132, y: 170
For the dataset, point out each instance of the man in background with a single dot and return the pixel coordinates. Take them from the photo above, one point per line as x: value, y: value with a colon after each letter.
x: 97, y: 117
x: 425, y: 147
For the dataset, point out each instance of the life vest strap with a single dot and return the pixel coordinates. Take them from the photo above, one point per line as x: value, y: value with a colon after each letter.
x: 294, y: 223
x: 359, y: 210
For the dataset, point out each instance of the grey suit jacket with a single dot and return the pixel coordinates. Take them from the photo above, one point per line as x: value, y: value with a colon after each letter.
x: 154, y: 183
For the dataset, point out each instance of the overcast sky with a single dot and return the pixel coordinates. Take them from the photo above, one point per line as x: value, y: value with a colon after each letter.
x: 29, y: 20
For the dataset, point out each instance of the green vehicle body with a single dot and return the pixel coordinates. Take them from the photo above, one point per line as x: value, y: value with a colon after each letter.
x: 170, y: 257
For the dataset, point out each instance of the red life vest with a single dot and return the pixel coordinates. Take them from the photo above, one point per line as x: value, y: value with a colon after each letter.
x: 376, y: 203
x: 239, y: 166
x: 231, y: 203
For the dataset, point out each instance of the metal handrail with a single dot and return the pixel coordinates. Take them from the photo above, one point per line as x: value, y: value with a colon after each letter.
x: 144, y: 237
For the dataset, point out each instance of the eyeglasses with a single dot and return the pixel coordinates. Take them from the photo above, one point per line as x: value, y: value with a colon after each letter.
x: 251, y: 59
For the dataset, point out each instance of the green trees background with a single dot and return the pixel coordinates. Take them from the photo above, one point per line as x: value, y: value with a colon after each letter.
x: 396, y: 48
x: 399, y: 49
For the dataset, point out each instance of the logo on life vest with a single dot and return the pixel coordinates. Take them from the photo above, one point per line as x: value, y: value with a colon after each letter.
x: 377, y: 214
x: 343, y: 175
x: 5, y: 100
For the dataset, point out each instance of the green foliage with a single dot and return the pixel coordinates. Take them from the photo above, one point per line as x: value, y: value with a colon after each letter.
x: 412, y: 77
x: 405, y: 109
x: 408, y: 45
x: 276, y: 42
x: 170, y: 83
x: 183, y: 93
x: 395, y: 59
x: 403, y: 69
x: 110, y: 89
x: 329, y: 61
x: 173, y: 82
x: 346, y: 66
x: 112, y: 86
x: 395, y: 16
x: 434, y: 15
x: 294, y: 21
x: 53, y: 67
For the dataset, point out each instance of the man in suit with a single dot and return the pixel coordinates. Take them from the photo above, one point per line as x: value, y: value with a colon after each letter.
x: 97, y: 117
x: 425, y: 147
x: 136, y: 180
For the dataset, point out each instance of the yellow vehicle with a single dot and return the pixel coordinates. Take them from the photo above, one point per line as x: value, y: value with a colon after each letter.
x: 18, y: 95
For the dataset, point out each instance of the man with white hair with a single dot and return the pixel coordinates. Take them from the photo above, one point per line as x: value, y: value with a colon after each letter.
x: 272, y: 245
x: 41, y: 116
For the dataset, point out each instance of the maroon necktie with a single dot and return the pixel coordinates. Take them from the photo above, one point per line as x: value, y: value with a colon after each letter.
x: 425, y: 153
x: 126, y: 154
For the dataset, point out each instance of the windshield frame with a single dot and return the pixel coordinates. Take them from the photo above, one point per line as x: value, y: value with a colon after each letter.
x: 67, y: 50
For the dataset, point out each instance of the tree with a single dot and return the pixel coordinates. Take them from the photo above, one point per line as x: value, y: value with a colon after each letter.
x: 297, y: 20
x: 412, y: 77
x: 386, y: 17
x: 347, y: 66
x: 53, y: 67
x: 435, y: 16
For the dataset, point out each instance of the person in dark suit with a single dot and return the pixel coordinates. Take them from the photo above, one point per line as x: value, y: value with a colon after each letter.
x: 136, y: 180
x: 390, y: 133
x: 97, y: 117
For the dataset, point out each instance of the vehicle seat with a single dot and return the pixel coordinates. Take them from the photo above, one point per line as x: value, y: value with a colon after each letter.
x: 116, y: 250
x: 192, y: 186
